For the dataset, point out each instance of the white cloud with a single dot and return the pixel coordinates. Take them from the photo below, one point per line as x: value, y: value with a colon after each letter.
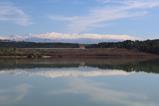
x: 124, y: 9
x: 62, y: 18
x: 55, y: 35
x: 4, y: 38
x: 72, y: 38
x: 10, y: 12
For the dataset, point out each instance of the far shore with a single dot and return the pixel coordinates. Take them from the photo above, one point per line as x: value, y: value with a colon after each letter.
x: 75, y: 53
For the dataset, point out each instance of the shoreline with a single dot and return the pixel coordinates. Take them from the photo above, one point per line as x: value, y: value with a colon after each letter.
x: 76, y: 53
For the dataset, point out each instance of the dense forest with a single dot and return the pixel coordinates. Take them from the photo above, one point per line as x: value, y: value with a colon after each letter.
x: 150, y: 46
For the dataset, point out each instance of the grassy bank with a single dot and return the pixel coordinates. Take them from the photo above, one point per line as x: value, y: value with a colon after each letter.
x: 70, y: 53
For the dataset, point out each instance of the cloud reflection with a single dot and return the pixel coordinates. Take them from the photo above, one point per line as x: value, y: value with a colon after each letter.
x: 67, y: 72
x: 102, y: 94
x: 14, y: 94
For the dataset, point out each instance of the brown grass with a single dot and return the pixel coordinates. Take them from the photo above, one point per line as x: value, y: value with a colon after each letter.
x: 77, y: 53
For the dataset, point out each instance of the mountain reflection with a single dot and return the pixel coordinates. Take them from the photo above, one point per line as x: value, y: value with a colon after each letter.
x: 67, y: 72
x: 128, y: 65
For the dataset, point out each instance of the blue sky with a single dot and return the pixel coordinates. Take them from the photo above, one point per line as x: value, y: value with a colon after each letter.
x: 134, y: 19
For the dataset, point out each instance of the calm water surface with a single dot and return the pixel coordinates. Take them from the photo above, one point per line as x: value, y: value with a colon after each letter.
x: 107, y: 82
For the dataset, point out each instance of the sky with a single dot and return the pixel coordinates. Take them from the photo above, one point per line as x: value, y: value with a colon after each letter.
x: 79, y: 19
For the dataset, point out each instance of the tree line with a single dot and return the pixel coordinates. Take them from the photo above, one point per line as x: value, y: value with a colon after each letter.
x: 151, y: 46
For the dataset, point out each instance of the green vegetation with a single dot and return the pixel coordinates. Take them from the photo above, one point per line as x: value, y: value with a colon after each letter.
x: 150, y: 46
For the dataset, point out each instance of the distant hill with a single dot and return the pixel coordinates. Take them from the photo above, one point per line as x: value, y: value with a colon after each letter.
x: 2, y: 40
x: 14, y: 44
x: 79, y: 40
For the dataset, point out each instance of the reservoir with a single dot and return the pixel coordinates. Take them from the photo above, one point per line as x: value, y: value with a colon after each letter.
x: 97, y: 82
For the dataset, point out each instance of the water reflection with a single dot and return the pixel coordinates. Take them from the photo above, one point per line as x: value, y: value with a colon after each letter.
x: 67, y: 72
x: 110, y: 64
x: 13, y: 94
x: 108, y: 82
x: 105, y: 95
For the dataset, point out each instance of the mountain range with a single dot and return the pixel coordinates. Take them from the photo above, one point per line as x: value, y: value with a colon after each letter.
x: 69, y: 38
